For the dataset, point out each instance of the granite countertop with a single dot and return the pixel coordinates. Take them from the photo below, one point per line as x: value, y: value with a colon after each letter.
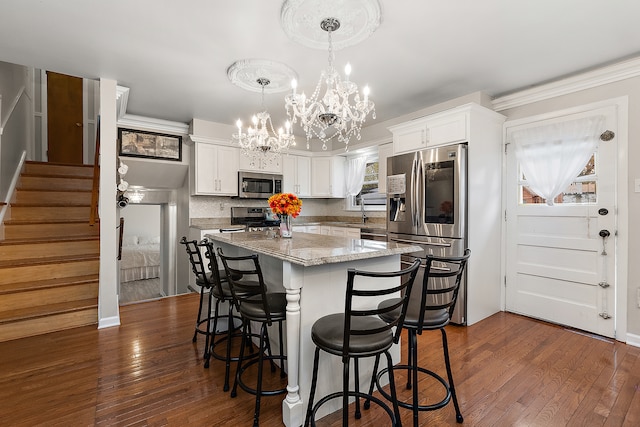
x: 308, y: 249
x: 216, y: 223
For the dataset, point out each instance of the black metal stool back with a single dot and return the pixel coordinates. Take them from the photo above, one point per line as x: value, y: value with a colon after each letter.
x: 221, y: 290
x: 205, y: 282
x: 257, y: 305
x: 431, y: 307
x: 364, y: 334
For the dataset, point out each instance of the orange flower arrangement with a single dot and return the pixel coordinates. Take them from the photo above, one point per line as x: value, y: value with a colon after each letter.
x: 285, y: 204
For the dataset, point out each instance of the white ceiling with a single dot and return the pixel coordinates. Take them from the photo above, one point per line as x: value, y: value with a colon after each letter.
x: 173, y: 55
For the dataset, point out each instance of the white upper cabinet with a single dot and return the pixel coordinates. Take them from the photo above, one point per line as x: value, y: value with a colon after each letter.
x: 327, y: 176
x: 214, y: 170
x: 261, y: 164
x: 296, y: 175
x: 449, y: 127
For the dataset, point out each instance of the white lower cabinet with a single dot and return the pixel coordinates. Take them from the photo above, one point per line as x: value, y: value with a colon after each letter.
x: 329, y: 230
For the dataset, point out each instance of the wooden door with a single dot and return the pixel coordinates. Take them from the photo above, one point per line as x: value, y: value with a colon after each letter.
x: 558, y: 267
x: 64, y: 122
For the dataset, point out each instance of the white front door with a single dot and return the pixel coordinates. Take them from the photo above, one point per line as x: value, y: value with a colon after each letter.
x: 558, y: 267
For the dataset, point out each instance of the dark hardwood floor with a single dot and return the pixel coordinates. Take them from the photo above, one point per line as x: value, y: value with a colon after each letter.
x: 509, y: 371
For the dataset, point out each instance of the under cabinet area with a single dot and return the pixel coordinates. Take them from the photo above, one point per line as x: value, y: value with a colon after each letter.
x: 270, y: 164
x: 214, y: 170
x: 296, y: 174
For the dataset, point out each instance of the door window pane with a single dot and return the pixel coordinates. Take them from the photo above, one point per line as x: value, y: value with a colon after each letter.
x: 582, y: 191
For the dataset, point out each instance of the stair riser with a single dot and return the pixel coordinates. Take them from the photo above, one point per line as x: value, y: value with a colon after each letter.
x: 49, y: 249
x: 22, y: 274
x: 26, y: 231
x: 50, y: 169
x: 43, y: 325
x: 48, y: 183
x: 54, y: 198
x: 45, y: 213
x: 41, y: 297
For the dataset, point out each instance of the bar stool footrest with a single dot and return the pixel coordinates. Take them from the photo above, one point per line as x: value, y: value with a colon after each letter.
x: 356, y: 394
x: 252, y: 361
x: 409, y: 405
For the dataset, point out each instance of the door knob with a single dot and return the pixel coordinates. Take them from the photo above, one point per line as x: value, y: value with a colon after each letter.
x: 604, y: 233
x: 603, y: 211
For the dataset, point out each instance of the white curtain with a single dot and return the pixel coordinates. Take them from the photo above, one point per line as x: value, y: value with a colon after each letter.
x: 552, y: 156
x: 355, y: 175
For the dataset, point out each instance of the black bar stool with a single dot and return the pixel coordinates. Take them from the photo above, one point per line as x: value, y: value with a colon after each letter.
x: 364, y: 334
x: 221, y: 291
x: 263, y: 307
x: 430, y: 309
x: 206, y: 280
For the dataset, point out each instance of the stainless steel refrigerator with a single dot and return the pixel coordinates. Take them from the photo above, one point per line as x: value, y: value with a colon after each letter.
x: 427, y: 207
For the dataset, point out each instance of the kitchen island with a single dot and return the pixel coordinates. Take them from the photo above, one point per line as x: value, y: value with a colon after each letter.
x: 313, y: 271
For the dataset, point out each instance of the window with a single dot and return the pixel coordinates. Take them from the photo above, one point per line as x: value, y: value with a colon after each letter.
x: 373, y: 200
x: 580, y: 191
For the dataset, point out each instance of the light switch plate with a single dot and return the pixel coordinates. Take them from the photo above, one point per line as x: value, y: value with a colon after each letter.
x: 637, y: 185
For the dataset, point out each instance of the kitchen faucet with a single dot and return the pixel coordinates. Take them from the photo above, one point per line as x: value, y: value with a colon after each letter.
x: 364, y: 216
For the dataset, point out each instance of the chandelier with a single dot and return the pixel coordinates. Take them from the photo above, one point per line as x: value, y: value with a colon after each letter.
x: 260, y: 141
x: 333, y: 114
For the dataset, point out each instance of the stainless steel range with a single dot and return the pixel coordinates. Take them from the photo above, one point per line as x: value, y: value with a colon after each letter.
x: 254, y: 219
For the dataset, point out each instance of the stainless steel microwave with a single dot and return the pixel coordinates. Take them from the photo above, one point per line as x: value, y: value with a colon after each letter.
x: 253, y: 185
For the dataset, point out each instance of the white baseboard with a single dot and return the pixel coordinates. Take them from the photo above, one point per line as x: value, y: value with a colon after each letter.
x: 109, y: 322
x: 633, y: 340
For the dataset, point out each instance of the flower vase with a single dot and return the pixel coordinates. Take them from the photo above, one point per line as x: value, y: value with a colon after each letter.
x: 285, y: 226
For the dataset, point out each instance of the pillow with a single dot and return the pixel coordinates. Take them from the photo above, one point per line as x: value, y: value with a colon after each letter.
x: 129, y: 240
x: 146, y: 240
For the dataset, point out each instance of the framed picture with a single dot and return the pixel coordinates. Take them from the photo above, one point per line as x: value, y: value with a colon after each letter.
x: 150, y: 145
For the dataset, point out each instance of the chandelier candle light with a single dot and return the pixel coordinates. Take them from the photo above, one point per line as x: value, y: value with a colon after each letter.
x: 331, y: 115
x: 256, y: 142
x: 287, y: 206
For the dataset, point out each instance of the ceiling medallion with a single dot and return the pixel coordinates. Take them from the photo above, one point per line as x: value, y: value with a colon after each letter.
x: 246, y: 73
x: 358, y: 20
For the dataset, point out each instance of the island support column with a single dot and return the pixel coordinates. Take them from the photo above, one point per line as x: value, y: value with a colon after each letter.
x: 292, y: 405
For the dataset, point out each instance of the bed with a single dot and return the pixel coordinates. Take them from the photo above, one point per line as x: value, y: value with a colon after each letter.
x: 140, y: 258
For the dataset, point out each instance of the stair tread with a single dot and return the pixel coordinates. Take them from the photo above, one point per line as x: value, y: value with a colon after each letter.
x: 45, y: 284
x: 46, y: 221
x: 48, y: 260
x: 33, y: 240
x: 53, y: 175
x: 47, y: 310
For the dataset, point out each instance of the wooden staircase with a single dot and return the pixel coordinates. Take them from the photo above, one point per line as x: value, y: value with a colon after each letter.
x: 50, y: 258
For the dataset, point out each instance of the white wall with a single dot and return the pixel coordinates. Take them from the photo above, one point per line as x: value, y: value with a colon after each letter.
x: 15, y: 120
x: 141, y: 220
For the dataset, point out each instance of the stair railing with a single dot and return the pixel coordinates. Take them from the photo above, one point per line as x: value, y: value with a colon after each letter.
x: 93, y: 215
x: 120, y: 234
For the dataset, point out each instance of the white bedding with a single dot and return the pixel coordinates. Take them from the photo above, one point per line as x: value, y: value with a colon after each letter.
x: 140, y: 262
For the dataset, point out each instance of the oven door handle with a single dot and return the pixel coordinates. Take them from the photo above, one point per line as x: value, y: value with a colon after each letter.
x: 412, y: 242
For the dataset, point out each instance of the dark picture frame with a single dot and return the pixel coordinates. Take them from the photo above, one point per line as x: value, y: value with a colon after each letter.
x: 149, y: 145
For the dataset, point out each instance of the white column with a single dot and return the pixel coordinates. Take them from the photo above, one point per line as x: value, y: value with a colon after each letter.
x: 292, y: 406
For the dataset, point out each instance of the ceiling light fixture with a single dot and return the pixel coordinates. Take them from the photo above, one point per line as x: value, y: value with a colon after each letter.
x: 260, y: 140
x: 136, y: 196
x: 332, y: 114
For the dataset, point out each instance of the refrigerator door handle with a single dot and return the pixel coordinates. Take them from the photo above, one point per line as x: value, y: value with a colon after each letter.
x: 420, y: 208
x: 414, y: 193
